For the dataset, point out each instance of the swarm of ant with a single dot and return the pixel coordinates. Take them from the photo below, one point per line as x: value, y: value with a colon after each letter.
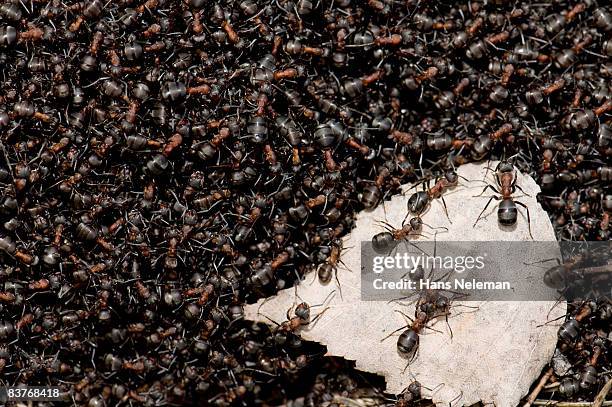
x: 164, y: 162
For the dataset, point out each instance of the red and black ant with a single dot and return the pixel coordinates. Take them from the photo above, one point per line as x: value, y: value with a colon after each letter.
x: 506, y: 177
x: 301, y: 314
x: 419, y: 201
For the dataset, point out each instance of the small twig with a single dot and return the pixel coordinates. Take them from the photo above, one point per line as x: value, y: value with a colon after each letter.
x: 601, y: 396
x: 538, y: 388
x: 553, y: 403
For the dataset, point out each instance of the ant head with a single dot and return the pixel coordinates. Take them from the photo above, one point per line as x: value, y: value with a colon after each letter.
x: 427, y: 307
x: 451, y: 176
x: 505, y: 166
x: 442, y: 302
x: 415, y: 389
x: 418, y: 273
x: 416, y: 223
x: 302, y: 311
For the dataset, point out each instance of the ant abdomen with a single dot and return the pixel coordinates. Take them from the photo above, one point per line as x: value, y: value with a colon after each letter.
x: 325, y: 273
x: 383, y: 242
x: 507, y: 213
x: 588, y: 378
x: 569, y: 330
x: 408, y: 342
x: 418, y: 202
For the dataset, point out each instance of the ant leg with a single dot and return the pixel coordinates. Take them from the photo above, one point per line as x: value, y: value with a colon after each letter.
x: 457, y: 295
x: 342, y: 263
x: 315, y: 274
x: 559, y: 301
x: 380, y: 223
x: 433, y: 329
x: 485, y: 189
x: 465, y: 306
x: 528, y: 217
x: 544, y: 261
x: 419, y: 235
x: 398, y: 300
x: 414, y: 356
x: 405, y: 316
x: 405, y: 218
x: 391, y: 250
x: 329, y: 296
x: 292, y: 305
x: 387, y: 225
x: 298, y: 278
x: 552, y: 320
x: 444, y: 276
x: 413, y: 187
x: 485, y: 208
x: 384, y: 209
x: 446, y: 210
x: 319, y: 315
x: 463, y: 178
x: 397, y: 330
x: 261, y: 305
x: 273, y: 321
x: 497, y: 178
x: 338, y: 282
x: 487, y: 169
x: 521, y: 189
x: 431, y: 270
x: 289, y: 313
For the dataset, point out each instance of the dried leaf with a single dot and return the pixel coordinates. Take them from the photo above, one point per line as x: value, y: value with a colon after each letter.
x: 496, y: 352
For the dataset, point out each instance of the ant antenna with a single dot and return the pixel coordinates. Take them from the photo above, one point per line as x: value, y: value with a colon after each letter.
x: 459, y: 397
x: 434, y: 228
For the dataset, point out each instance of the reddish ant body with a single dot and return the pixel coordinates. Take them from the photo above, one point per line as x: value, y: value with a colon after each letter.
x: 506, y: 176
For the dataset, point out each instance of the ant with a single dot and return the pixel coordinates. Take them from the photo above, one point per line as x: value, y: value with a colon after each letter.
x: 430, y: 305
x: 408, y: 341
x: 301, y: 314
x: 583, y: 270
x: 384, y: 242
x: 506, y: 177
x: 419, y: 201
x: 436, y: 305
x: 413, y: 394
x: 330, y: 268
